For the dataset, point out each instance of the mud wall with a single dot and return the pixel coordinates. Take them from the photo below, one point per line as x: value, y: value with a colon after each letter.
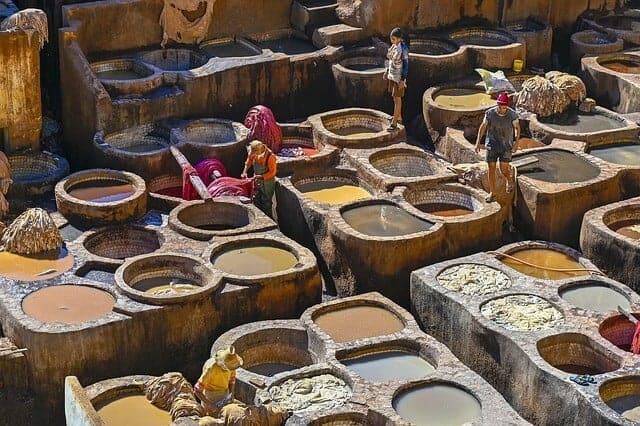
x: 20, y: 109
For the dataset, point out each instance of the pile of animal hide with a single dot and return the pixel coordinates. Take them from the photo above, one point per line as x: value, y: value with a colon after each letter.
x: 186, y: 21
x: 31, y: 21
x: 552, y: 94
x: 31, y: 233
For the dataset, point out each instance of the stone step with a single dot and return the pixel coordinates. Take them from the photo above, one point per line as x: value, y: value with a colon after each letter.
x: 307, y: 15
x: 336, y: 35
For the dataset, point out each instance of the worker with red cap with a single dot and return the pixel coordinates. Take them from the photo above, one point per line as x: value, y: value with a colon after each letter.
x: 502, y: 130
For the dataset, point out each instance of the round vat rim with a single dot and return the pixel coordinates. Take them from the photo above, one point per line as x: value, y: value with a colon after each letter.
x: 563, y: 186
x: 181, y: 135
x: 485, y: 209
x: 513, y: 39
x: 313, y: 370
x: 579, y: 37
x: 100, y: 143
x: 383, y: 136
x: 100, y: 392
x: 627, y: 378
x: 146, y: 53
x: 603, y: 59
x: 60, y: 171
x: 213, y: 280
x: 343, y: 68
x: 94, y: 233
x: 153, y: 73
x: 460, y: 48
x: 589, y: 281
x: 63, y: 186
x: 347, y: 175
x: 606, y: 213
x: 461, y: 262
x: 598, y: 21
x: 516, y: 292
x: 225, y: 40
x: 430, y: 382
x: 305, y: 258
x: 598, y: 110
x: 430, y: 93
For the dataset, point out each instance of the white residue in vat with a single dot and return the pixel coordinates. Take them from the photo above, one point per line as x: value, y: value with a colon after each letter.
x: 472, y: 279
x: 522, y: 313
x: 323, y: 392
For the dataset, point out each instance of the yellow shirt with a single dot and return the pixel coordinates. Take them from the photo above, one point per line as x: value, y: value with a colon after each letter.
x: 214, y: 378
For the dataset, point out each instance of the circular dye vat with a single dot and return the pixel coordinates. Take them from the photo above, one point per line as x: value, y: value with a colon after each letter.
x: 619, y: 331
x: 270, y: 369
x: 384, y: 220
x: 166, y: 286
x: 627, y: 228
x: 122, y: 74
x: 332, y: 192
x: 316, y: 393
x: 68, y: 304
x: 582, y: 122
x: 522, y: 312
x: 624, y: 23
x: 622, y: 66
x: 575, y: 353
x: 545, y: 258
x: 432, y: 47
x: 625, y: 154
x: 461, y: 98
x: 594, y: 297
x: 174, y: 59
x: 35, y: 268
x: 228, y: 49
x: 473, y: 279
x: 289, y: 46
x: 444, y: 209
x: 627, y: 406
x: 401, y: 163
x: 102, y: 190
x: 123, y: 242
x: 256, y: 260
x: 557, y: 166
x: 389, y: 365
x: 364, y: 64
x: 482, y: 37
x: 437, y: 405
x: 623, y: 396
x: 358, y: 322
x: 355, y: 132
x: 133, y: 410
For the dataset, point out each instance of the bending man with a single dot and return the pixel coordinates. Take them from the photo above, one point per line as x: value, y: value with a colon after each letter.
x: 500, y: 125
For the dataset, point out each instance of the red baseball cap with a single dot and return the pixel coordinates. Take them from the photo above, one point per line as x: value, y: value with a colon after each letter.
x: 503, y: 99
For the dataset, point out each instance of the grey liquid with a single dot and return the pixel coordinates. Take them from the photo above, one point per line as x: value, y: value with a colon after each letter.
x: 595, y: 297
x: 625, y: 404
x: 289, y: 46
x: 437, y: 405
x: 392, y: 365
x: 558, y: 166
x: 628, y: 155
x: 583, y: 123
x: 228, y: 50
x: 271, y: 368
x: 384, y: 221
x: 118, y: 75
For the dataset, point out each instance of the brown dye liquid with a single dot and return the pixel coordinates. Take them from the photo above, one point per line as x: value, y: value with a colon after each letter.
x: 68, y: 304
x: 443, y: 209
x: 391, y: 365
x: 35, y: 268
x: 627, y: 406
x: 578, y: 369
x: 628, y: 228
x: 134, y: 410
x: 463, y: 98
x: 166, y: 286
x: 271, y: 368
x: 355, y: 132
x: 625, y: 154
x: 102, y: 190
x: 438, y: 405
x: 255, y: 260
x: 527, y: 143
x: 358, y: 322
x: 118, y: 75
x: 365, y: 67
x: 546, y: 258
x: 384, y: 221
x: 333, y: 192
x: 595, y: 297
x: 622, y: 66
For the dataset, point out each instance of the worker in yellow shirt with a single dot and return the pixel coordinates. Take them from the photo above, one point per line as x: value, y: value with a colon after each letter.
x: 265, y: 168
x: 216, y: 384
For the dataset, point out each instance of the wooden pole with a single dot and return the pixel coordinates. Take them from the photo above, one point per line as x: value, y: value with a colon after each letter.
x: 197, y: 183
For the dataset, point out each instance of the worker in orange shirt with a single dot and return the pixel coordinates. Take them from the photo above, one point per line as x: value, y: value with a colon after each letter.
x: 264, y: 171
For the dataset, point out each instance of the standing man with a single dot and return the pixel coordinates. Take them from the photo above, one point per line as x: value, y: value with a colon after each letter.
x: 500, y: 125
x: 264, y: 170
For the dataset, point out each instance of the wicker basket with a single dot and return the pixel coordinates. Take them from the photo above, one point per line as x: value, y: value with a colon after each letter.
x: 122, y: 242
x: 482, y: 37
x: 35, y: 174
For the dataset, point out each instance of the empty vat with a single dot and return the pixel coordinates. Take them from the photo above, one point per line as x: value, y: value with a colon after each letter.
x: 68, y: 304
x: 463, y: 98
x: 437, y: 405
x: 482, y: 37
x: 174, y: 59
x: 349, y: 323
x: 539, y: 258
x: 365, y: 64
x: 558, y: 166
x: 254, y: 260
x: 623, y: 396
x: 384, y: 220
x: 384, y: 366
x: 432, y: 47
x: 132, y: 409
x: 594, y: 296
x: 140, y: 139
x: 122, y: 242
x: 627, y: 154
x: 35, y: 267
x: 575, y: 353
x: 402, y: 163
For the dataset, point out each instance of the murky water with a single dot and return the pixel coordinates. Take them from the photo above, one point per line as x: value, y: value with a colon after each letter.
x: 463, y: 98
x: 358, y: 322
x: 255, y: 260
x: 270, y: 369
x: 35, y: 268
x: 389, y: 365
x: 366, y: 67
x: 628, y: 228
x: 228, y: 50
x: 68, y: 304
x: 627, y: 406
x: 579, y: 122
x: 623, y: 66
x: 545, y: 258
x: 289, y: 46
x: 331, y: 192
x: 383, y: 220
x: 595, y: 297
x: 625, y: 154
x: 557, y: 166
x: 166, y: 286
x: 445, y: 210
x: 127, y: 74
x: 102, y: 190
x: 438, y: 405
x: 133, y: 410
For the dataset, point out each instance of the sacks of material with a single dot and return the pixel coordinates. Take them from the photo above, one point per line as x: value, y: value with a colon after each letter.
x: 542, y: 97
x: 495, y: 82
x: 570, y: 85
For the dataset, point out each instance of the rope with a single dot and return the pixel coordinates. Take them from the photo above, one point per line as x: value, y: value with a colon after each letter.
x: 546, y: 268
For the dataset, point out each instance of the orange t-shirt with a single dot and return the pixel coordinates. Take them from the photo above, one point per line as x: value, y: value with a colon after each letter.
x: 271, y: 164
